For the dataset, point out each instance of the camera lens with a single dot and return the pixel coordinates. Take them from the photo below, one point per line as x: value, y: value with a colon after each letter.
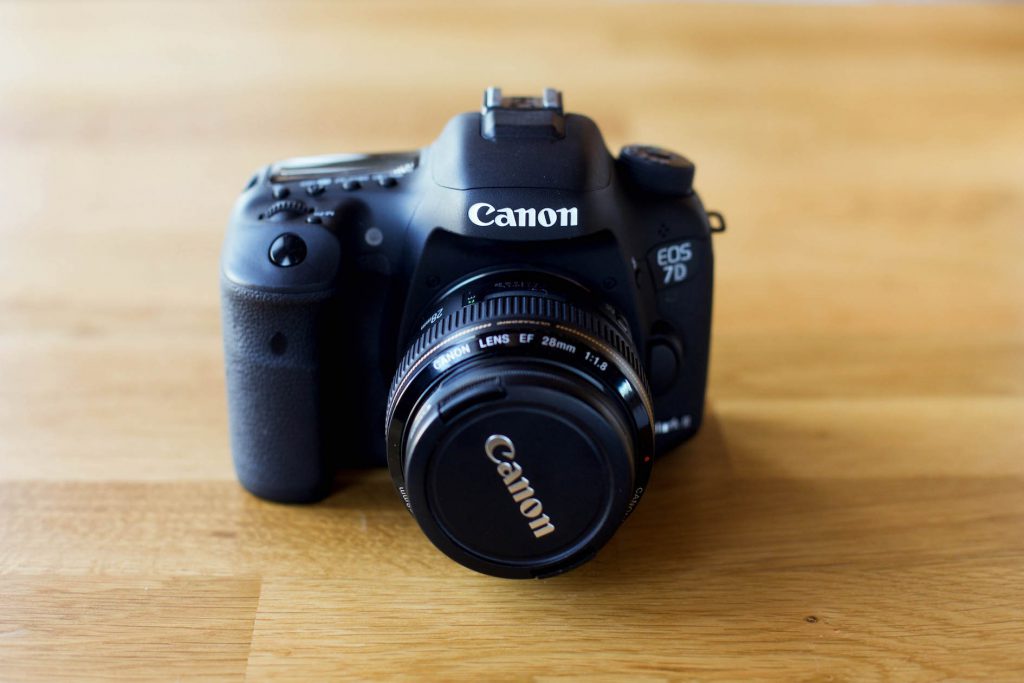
x: 519, y: 424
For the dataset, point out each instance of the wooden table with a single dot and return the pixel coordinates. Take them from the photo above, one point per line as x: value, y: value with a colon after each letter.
x: 853, y: 509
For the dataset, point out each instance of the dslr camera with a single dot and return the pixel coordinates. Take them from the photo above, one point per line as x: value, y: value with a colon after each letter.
x: 512, y: 320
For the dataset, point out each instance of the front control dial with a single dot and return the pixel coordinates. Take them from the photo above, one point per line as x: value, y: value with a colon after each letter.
x: 285, y: 209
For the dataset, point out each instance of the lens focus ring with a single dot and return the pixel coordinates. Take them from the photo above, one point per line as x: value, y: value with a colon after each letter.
x: 528, y: 309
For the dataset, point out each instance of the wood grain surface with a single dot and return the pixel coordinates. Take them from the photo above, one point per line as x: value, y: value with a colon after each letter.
x: 852, y: 510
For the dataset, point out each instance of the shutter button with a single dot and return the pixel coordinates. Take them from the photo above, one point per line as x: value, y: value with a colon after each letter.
x: 287, y: 250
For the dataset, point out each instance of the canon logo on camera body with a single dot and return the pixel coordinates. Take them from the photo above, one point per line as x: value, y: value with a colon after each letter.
x: 502, y: 452
x: 484, y: 214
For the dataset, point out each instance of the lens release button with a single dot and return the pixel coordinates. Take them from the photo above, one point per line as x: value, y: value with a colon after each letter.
x: 664, y: 366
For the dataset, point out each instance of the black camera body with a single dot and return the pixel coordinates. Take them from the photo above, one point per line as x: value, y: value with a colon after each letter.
x: 511, y: 319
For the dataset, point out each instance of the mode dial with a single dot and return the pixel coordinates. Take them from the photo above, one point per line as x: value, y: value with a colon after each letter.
x: 657, y: 169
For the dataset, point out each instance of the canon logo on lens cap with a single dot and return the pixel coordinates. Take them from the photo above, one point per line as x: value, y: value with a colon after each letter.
x: 501, y: 451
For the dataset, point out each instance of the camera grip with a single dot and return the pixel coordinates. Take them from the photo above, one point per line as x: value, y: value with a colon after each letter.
x: 274, y: 350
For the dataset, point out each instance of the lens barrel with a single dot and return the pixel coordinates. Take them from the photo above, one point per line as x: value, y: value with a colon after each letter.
x: 519, y: 425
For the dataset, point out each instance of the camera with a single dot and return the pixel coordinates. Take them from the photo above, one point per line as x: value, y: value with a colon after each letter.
x: 512, y: 320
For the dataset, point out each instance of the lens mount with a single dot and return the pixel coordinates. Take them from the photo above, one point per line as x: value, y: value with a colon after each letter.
x: 519, y: 425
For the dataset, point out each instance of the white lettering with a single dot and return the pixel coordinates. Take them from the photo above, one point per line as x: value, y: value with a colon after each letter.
x: 568, y: 216
x: 474, y: 213
x: 496, y: 441
x: 500, y: 450
x: 484, y: 215
x: 673, y: 259
x: 505, y: 218
x: 530, y: 508
x: 493, y: 340
x: 527, y: 218
x: 542, y: 526
x: 449, y: 357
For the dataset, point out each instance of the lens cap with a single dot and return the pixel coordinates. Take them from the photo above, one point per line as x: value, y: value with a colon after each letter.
x: 519, y: 474
x: 519, y: 425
